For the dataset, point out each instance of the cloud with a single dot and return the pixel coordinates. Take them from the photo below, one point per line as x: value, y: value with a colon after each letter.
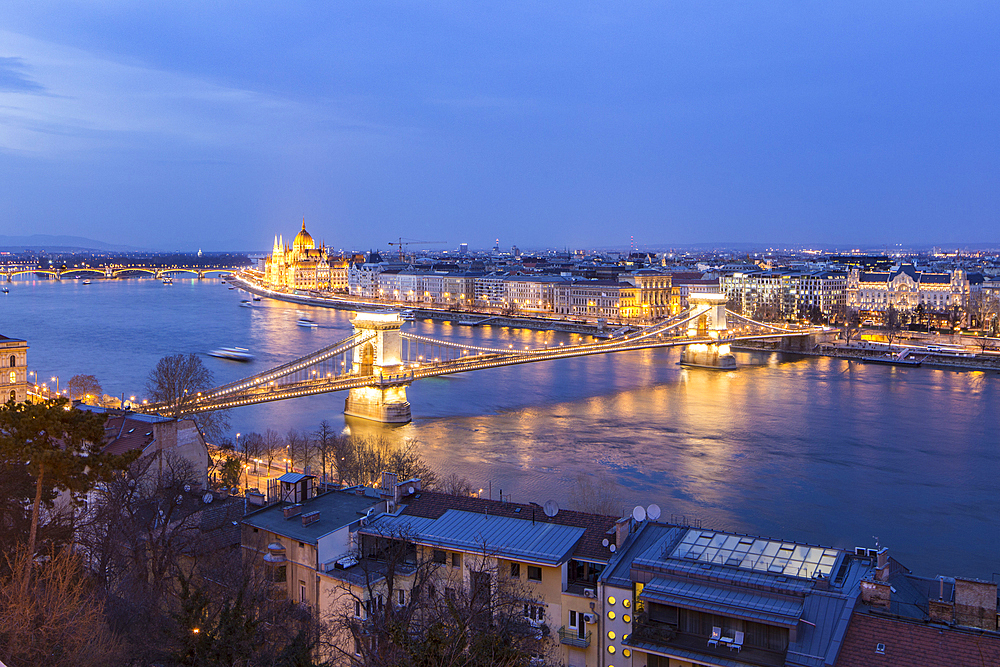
x: 97, y: 104
x: 14, y: 79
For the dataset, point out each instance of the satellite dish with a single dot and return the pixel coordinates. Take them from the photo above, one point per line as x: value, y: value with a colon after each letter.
x: 412, y: 490
x: 639, y: 513
x: 653, y: 511
x: 207, y: 498
x: 605, y: 542
x: 550, y: 508
x: 613, y: 548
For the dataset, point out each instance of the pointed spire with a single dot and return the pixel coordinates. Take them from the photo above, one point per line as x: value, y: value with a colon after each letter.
x: 303, y: 223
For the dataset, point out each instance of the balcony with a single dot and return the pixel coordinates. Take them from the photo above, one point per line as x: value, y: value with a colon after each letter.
x: 571, y: 637
x: 665, y: 639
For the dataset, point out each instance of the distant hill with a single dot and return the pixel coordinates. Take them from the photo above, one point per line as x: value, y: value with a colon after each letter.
x: 52, y: 243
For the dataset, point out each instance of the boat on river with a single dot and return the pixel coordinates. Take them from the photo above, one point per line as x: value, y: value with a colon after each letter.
x: 232, y: 353
x: 306, y: 323
x: 86, y: 281
x: 246, y: 303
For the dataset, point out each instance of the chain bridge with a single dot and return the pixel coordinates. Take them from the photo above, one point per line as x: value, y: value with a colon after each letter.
x: 379, y: 361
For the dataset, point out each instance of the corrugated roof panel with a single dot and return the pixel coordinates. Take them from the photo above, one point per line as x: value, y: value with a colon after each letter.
x: 505, y: 537
x: 739, y: 604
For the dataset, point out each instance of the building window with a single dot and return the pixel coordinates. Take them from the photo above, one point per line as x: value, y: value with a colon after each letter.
x: 456, y: 560
x: 401, y: 597
x: 440, y: 557
x: 13, y: 361
x: 302, y: 591
x: 515, y: 570
x: 534, y: 573
x: 357, y: 608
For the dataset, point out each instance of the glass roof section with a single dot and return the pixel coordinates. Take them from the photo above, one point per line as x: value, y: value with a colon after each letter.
x: 757, y: 554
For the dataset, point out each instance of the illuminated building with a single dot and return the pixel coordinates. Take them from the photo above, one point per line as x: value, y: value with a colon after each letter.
x: 14, y: 371
x: 300, y: 267
x: 905, y: 289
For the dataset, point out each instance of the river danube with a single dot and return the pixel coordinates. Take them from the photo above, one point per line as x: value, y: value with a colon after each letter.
x: 817, y: 450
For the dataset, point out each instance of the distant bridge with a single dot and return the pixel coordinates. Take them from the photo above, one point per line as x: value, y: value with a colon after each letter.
x: 116, y: 270
x: 378, y: 361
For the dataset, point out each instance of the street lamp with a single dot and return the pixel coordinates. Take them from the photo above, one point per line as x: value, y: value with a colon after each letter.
x: 56, y: 380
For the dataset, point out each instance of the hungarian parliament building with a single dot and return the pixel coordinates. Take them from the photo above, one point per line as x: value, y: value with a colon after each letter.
x: 303, y: 266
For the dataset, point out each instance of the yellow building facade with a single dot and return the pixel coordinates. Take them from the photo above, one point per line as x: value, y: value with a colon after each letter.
x: 302, y: 266
x: 14, y: 376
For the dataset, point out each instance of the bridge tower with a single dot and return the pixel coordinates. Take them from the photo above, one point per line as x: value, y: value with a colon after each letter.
x: 711, y: 323
x: 381, y: 357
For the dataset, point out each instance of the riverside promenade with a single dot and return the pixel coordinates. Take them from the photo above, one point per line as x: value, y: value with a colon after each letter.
x: 471, y: 317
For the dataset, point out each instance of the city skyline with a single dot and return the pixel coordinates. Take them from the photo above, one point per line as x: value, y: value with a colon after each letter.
x: 178, y: 127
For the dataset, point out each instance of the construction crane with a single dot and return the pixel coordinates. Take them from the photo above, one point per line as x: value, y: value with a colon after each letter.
x: 403, y: 242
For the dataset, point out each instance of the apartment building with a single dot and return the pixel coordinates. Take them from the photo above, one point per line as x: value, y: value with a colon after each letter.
x: 532, y: 293
x: 588, y: 298
x: 786, y: 294
x: 679, y: 596
x: 304, y: 535
x: 552, y: 560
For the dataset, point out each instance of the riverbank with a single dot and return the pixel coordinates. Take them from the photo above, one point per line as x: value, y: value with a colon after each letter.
x: 435, y: 314
x: 882, y: 355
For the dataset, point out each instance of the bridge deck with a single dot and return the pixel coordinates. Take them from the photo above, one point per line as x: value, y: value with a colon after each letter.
x: 263, y: 393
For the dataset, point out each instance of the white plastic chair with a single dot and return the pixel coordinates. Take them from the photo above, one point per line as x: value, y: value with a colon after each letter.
x: 716, y: 633
x: 737, y: 642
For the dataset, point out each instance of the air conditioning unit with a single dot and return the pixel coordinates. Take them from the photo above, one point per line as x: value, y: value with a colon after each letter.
x: 589, y: 593
x: 590, y: 618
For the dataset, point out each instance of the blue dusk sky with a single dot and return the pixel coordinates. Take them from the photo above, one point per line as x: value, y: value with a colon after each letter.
x: 179, y: 125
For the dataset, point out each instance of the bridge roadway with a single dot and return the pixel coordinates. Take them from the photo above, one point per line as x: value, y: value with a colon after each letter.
x: 263, y: 392
x: 115, y: 270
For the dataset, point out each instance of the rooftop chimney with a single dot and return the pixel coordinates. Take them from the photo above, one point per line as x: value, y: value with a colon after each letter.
x: 882, y: 566
x: 876, y: 594
x: 621, y: 531
x: 976, y: 603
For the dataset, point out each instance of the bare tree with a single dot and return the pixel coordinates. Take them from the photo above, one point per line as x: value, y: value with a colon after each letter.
x: 595, y: 494
x: 852, y: 324
x: 176, y: 381
x: 273, y: 448
x: 892, y: 325
x: 85, y: 388
x: 55, y: 620
x: 401, y: 607
x: 363, y: 459
x: 326, y: 446
x: 298, y: 447
x: 455, y: 485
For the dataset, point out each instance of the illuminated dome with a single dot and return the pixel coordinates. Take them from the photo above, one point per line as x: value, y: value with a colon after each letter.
x: 302, y: 240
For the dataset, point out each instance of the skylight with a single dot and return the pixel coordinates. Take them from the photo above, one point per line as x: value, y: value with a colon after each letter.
x: 757, y: 554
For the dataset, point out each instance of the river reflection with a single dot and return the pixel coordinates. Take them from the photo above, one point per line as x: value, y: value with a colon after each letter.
x: 820, y: 450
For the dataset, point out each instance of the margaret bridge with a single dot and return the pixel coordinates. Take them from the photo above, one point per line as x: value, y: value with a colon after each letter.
x: 116, y: 270
x: 378, y: 361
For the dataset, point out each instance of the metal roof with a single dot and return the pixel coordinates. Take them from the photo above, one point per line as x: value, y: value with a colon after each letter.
x: 619, y: 570
x: 337, y: 509
x: 506, y: 537
x: 294, y: 477
x: 714, y: 599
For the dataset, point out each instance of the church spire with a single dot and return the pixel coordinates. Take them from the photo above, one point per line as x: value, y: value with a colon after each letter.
x: 303, y: 223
